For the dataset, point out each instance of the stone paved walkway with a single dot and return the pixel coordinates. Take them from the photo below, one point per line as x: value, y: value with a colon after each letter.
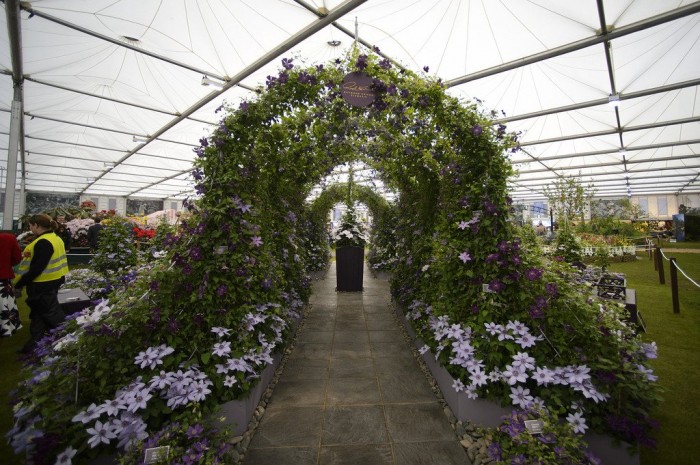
x: 352, y: 392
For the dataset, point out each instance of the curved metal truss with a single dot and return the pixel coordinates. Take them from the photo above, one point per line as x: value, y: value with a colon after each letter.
x: 107, y: 97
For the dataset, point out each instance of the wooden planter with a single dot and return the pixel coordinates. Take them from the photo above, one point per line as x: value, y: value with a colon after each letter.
x: 349, y: 268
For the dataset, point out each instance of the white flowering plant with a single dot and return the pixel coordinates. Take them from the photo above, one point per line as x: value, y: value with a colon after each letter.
x: 351, y: 232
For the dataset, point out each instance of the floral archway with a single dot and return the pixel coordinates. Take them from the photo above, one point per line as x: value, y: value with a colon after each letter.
x: 197, y: 327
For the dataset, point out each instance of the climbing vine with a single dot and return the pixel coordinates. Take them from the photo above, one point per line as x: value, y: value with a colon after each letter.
x: 213, y: 311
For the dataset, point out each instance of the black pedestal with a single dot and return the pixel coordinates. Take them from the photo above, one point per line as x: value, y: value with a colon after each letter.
x: 349, y: 268
x: 79, y: 256
x: 72, y: 300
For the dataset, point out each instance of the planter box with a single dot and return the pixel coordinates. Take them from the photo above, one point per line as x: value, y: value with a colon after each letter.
x: 349, y: 268
x: 480, y: 412
x: 609, y: 452
x: 486, y: 413
x: 235, y: 412
x: 239, y: 412
x: 610, y: 287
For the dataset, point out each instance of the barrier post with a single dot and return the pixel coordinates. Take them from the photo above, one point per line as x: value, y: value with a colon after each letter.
x: 655, y: 253
x: 660, y: 266
x: 674, y: 286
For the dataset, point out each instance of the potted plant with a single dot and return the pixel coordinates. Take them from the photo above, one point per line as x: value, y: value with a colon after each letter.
x: 349, y: 240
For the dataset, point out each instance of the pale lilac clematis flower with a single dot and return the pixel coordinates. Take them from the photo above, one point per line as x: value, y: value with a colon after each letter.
x: 65, y: 457
x: 577, y: 422
x: 138, y: 400
x: 493, y: 329
x: 221, y: 332
x: 526, y: 340
x: 517, y: 327
x: 100, y: 433
x: 514, y: 374
x: 222, y: 348
x: 543, y: 376
x: 86, y: 416
x: 470, y: 391
x: 524, y: 361
x: 521, y: 396
x: 113, y: 407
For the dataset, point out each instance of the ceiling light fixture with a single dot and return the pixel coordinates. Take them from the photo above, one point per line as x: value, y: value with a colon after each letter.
x: 614, y: 100
x: 206, y: 81
x: 334, y: 43
x: 139, y: 139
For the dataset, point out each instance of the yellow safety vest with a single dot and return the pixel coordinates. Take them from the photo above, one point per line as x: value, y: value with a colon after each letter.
x: 58, y: 265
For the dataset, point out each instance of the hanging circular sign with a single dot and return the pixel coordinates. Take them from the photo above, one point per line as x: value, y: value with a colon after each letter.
x: 356, y: 90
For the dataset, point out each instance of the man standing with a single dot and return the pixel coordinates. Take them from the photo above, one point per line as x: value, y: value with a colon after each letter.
x: 93, y: 234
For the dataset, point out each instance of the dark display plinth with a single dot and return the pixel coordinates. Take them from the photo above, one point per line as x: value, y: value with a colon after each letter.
x: 72, y: 300
x: 79, y: 256
x: 349, y: 268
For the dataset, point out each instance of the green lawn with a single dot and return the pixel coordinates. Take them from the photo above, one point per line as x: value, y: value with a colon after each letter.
x: 665, y: 244
x: 677, y: 336
x: 678, y: 339
x: 8, y: 380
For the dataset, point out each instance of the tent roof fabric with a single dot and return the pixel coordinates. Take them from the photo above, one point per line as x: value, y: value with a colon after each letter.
x: 114, y: 101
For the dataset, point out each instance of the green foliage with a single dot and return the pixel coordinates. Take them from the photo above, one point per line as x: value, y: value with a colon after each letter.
x: 161, y: 240
x: 601, y: 257
x: 196, y: 441
x: 116, y: 249
x: 313, y: 232
x: 383, y: 253
x: 556, y: 443
x: 569, y: 198
x: 568, y: 246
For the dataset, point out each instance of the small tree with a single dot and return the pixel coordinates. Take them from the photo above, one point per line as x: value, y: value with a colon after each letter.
x: 569, y: 198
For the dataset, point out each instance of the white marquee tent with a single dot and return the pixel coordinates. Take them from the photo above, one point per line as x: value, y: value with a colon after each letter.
x: 105, y: 97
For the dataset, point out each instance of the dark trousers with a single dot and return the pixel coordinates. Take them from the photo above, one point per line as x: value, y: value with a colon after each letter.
x: 45, y: 312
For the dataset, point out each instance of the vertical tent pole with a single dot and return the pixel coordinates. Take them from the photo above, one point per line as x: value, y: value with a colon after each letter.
x: 11, y: 173
x: 14, y: 34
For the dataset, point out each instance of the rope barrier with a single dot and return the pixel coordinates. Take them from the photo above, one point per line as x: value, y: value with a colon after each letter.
x: 681, y: 270
x: 687, y: 277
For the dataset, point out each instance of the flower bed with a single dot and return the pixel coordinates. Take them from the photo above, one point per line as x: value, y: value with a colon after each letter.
x: 489, y: 414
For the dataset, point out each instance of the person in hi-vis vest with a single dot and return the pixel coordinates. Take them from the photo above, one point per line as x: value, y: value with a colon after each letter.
x: 42, y: 272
